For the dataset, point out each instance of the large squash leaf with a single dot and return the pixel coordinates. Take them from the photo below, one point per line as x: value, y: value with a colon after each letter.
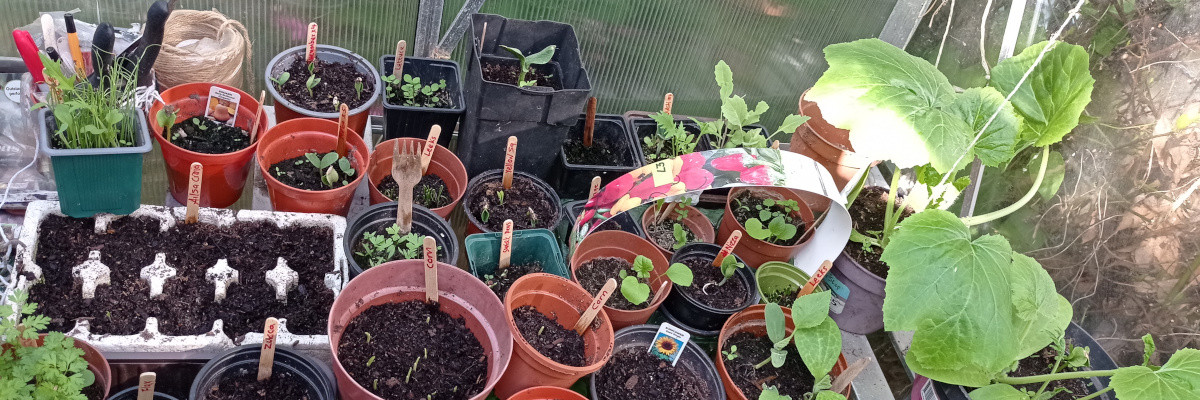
x: 1178, y: 379
x: 976, y: 106
x: 1041, y: 314
x: 1053, y: 96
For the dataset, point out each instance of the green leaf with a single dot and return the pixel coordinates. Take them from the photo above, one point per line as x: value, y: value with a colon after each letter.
x: 1148, y: 347
x: 344, y: 165
x: 954, y: 292
x: 811, y: 309
x: 778, y: 357
x: 541, y: 57
x: 976, y: 106
x: 1042, y: 315
x: 735, y: 111
x: 329, y: 159
x: 642, y: 265
x: 772, y: 393
x: 1179, y: 378
x: 998, y: 391
x: 680, y: 274
x: 1053, y: 96
x: 791, y: 123
x: 819, y: 346
x: 634, y: 291
x: 773, y: 315
x: 755, y: 228
x: 828, y: 395
x: 724, y: 77
x: 781, y: 229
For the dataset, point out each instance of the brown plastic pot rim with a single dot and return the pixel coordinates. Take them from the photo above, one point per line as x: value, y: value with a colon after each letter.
x: 707, y: 233
x: 443, y: 160
x: 359, y: 161
x: 206, y: 158
x: 534, y: 357
x: 851, y: 158
x: 358, y: 60
x: 805, y: 236
x: 626, y: 238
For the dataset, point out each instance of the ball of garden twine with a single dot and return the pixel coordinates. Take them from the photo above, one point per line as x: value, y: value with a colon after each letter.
x: 203, y: 46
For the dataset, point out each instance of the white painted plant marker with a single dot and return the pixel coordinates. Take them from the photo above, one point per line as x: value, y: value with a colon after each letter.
x: 193, y: 198
x: 597, y: 304
x: 343, y: 126
x: 510, y: 161
x: 266, y: 356
x: 257, y: 115
x: 398, y: 66
x: 594, y: 188
x: 431, y: 282
x: 816, y: 278
x: 431, y: 142
x: 146, y: 386
x: 589, y: 122
x: 310, y: 50
x: 668, y: 103
x: 727, y: 249
x: 505, y: 245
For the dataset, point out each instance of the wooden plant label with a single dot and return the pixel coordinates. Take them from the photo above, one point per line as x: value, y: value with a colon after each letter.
x: 431, y: 282
x: 589, y: 123
x: 597, y: 304
x: 193, y: 193
x: 849, y: 374
x: 483, y: 37
x: 816, y: 278
x: 668, y: 103
x: 398, y: 66
x: 775, y: 145
x: 506, y: 245
x: 257, y: 114
x: 727, y: 249
x: 661, y: 289
x: 431, y: 143
x: 146, y: 386
x: 594, y: 188
x: 310, y: 51
x: 664, y: 212
x: 266, y: 356
x: 222, y: 105
x: 510, y: 161
x: 343, y: 126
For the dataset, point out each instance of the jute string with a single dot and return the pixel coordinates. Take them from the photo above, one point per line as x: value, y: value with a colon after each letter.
x: 228, y: 64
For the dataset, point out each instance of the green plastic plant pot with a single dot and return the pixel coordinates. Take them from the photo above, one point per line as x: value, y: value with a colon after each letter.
x: 778, y: 276
x: 529, y: 245
x: 90, y: 181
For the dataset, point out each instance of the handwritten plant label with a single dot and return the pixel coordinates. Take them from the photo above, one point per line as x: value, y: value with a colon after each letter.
x: 816, y: 278
x: 195, y: 175
x: 398, y: 64
x: 594, y: 188
x: 727, y: 249
x: 431, y: 283
x: 431, y: 143
x: 222, y: 105
x: 668, y: 103
x: 506, y: 245
x: 146, y: 385
x: 510, y: 161
x: 310, y: 52
x: 595, y: 306
x: 663, y: 173
x: 669, y: 342
x: 266, y: 356
x: 841, y: 293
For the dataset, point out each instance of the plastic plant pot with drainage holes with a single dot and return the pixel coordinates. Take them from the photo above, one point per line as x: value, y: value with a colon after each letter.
x: 316, y: 376
x: 752, y: 320
x: 103, y: 180
x: 470, y: 204
x: 755, y: 251
x: 694, y: 359
x: 296, y: 138
x: 777, y: 277
x: 690, y: 310
x: 529, y: 245
x: 401, y: 121
x: 574, y: 179
x: 443, y: 164
x: 286, y: 110
x: 425, y: 222
x: 627, y: 247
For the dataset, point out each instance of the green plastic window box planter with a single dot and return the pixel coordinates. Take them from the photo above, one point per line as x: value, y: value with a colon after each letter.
x: 91, y: 181
x: 529, y: 245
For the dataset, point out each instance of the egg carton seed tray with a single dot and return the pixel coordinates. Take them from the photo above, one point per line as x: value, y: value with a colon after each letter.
x: 92, y: 274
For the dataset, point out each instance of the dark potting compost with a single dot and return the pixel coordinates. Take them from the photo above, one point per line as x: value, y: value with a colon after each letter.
x: 243, y: 384
x: 663, y: 234
x: 747, y: 206
x: 300, y: 173
x: 203, y: 135
x: 791, y: 380
x: 867, y: 214
x: 337, y: 80
x: 601, y: 152
x: 413, y: 350
x: 1040, y: 363
x: 430, y: 192
x: 731, y: 295
x: 592, y: 275
x: 636, y: 374
x: 186, y: 306
x: 524, y: 203
x: 94, y: 391
x: 551, y: 339
x: 501, y: 280
x: 506, y: 70
x: 781, y: 296
x: 379, y: 245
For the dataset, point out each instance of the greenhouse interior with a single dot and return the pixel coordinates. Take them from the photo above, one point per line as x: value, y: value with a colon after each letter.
x: 897, y: 199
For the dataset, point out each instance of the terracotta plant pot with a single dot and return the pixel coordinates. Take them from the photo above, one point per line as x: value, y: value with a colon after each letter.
x: 444, y: 164
x: 460, y: 295
x: 285, y: 110
x: 756, y: 252
x: 96, y: 363
x: 304, y: 135
x: 224, y: 174
x: 696, y: 221
x: 752, y: 320
x: 547, y: 393
x: 554, y: 296
x: 626, y: 246
x: 827, y: 145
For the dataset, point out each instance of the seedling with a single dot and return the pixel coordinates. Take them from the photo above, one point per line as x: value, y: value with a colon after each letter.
x: 412, y: 92
x: 90, y: 117
x: 166, y: 119
x: 378, y: 249
x: 528, y: 61
x: 500, y: 196
x: 326, y: 163
x: 312, y: 82
x: 816, y: 337
x: 730, y: 130
x: 199, y: 124
x: 670, y: 139
x: 431, y: 196
x: 731, y: 354
x: 533, y: 219
x: 729, y: 266
x: 771, y: 224
x: 368, y: 337
x: 635, y: 287
x: 57, y: 368
x: 281, y: 79
x: 485, y: 214
x: 358, y: 88
x: 681, y: 236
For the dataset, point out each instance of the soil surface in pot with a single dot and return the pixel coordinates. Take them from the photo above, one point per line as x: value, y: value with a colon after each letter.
x: 748, y: 206
x: 602, y: 151
x: 300, y: 173
x: 730, y: 296
x: 782, y: 296
x: 867, y: 214
x: 243, y: 384
x: 417, y: 97
x: 550, y: 338
x: 384, y: 242
x: 524, y: 203
x: 792, y: 380
x: 1040, y: 363
x: 203, y: 135
x: 507, y: 70
x: 592, y: 275
x: 186, y: 306
x: 337, y: 80
x: 430, y: 192
x: 663, y: 234
x: 635, y: 374
x: 93, y: 391
x: 412, y: 349
x: 501, y: 280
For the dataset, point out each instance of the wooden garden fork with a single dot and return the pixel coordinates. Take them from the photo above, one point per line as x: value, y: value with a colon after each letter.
x: 406, y: 170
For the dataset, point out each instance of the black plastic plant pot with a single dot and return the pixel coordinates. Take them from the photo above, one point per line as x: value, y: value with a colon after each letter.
x: 539, y: 117
x: 132, y: 394
x: 686, y: 307
x: 411, y: 121
x: 638, y: 338
x: 425, y: 222
x: 317, y: 376
x: 1100, y: 360
x: 622, y: 221
x: 470, y: 206
x: 641, y: 127
x: 574, y: 180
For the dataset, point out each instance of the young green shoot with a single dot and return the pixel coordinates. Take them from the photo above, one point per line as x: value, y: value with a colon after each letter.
x: 681, y: 236
x: 311, y: 83
x: 485, y: 214
x: 166, y: 117
x: 413, y: 92
x: 370, y: 361
x: 635, y: 287
x: 281, y: 79
x: 533, y: 219
x: 358, y: 88
x: 326, y: 163
x: 731, y: 354
x: 669, y: 140
x: 528, y: 61
x: 392, y: 245
x: 56, y: 369
x: 771, y: 223
x: 91, y: 117
x: 500, y: 196
x: 730, y: 131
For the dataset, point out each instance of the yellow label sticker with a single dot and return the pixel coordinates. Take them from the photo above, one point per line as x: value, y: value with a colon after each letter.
x: 662, y: 173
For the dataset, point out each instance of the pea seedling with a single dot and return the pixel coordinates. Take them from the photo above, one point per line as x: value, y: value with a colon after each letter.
x: 528, y: 61
x: 771, y: 224
x: 635, y: 287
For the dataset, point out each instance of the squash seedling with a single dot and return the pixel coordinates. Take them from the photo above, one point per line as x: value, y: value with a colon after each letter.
x: 326, y: 163
x: 816, y: 338
x: 635, y: 287
x: 528, y: 61
x: 166, y: 117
